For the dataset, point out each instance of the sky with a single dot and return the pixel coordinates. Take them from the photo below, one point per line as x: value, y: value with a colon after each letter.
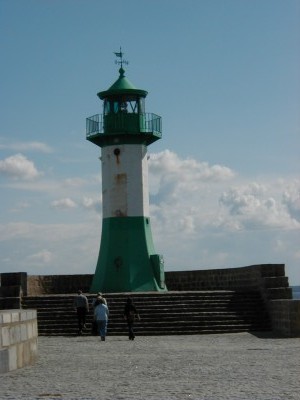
x: 224, y: 179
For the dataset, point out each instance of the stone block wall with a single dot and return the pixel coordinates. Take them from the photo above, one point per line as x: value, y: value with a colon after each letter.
x: 12, y: 287
x: 56, y: 284
x: 15, y: 279
x: 251, y: 277
x: 10, y: 297
x: 286, y: 317
x: 265, y: 278
x: 18, y: 339
x: 268, y: 279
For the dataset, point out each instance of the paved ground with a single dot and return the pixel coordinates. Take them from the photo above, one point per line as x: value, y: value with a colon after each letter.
x: 208, y: 367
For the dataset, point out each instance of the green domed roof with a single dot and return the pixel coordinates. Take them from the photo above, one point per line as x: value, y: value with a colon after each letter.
x: 122, y: 86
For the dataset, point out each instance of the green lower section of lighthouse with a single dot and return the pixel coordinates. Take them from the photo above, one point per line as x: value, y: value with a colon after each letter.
x: 127, y: 261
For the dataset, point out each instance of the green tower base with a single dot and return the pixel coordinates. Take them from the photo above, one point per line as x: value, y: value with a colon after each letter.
x: 127, y: 262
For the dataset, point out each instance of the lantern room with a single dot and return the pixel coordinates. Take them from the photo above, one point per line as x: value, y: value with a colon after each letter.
x: 123, y: 115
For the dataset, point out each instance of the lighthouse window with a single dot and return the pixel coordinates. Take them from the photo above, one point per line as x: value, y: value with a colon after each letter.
x: 141, y: 105
x: 116, y: 107
x: 123, y: 107
x: 133, y: 106
x: 106, y: 107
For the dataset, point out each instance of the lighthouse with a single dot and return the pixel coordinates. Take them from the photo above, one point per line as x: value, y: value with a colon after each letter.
x: 127, y: 261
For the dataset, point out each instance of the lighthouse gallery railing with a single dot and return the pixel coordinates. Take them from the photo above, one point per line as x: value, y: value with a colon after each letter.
x: 146, y: 123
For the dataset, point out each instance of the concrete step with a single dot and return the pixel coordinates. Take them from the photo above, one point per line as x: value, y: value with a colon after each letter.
x: 162, y: 313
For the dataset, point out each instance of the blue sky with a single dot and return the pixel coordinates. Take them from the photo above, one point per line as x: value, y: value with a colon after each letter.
x: 224, y: 179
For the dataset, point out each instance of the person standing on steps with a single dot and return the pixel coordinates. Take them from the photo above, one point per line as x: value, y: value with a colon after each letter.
x: 95, y: 301
x: 81, y: 306
x: 130, y: 312
x: 101, y: 317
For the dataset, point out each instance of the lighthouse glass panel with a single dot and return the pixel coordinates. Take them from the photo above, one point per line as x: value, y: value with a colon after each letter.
x: 106, y: 107
x: 132, y: 105
x: 141, y: 105
x: 116, y: 106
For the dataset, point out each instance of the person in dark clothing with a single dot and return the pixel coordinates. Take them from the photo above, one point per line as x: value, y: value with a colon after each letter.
x: 81, y: 306
x: 130, y: 312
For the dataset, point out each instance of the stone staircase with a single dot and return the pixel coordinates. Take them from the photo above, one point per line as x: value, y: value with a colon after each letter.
x: 170, y: 313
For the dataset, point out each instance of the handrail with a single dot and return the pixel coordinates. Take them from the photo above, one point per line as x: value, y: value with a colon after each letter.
x: 94, y: 124
x: 147, y: 123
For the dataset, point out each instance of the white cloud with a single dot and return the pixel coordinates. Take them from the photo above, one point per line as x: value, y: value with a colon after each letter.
x: 254, y: 207
x: 41, y: 258
x: 219, y: 225
x: 87, y: 203
x: 47, y: 248
x: 184, y: 201
x: 20, y: 206
x: 92, y: 204
x: 19, y: 167
x: 47, y: 232
x: 169, y: 163
x: 291, y: 199
x: 243, y: 200
x: 63, y: 204
x: 27, y: 146
x: 172, y: 177
x: 74, y: 182
x: 14, y: 230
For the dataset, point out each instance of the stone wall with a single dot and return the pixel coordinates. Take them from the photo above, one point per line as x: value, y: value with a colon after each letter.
x: 56, y: 284
x: 10, y: 297
x: 285, y: 315
x: 18, y: 339
x: 13, y: 285
x: 268, y: 279
x: 15, y: 279
x: 266, y: 276
x: 250, y: 277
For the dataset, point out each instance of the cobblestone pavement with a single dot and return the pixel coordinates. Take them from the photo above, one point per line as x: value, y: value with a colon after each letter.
x: 207, y: 367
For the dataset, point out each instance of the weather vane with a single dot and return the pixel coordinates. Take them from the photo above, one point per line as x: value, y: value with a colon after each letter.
x: 120, y: 55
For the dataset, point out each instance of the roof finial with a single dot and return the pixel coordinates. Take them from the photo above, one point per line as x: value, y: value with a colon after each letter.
x: 121, y: 62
